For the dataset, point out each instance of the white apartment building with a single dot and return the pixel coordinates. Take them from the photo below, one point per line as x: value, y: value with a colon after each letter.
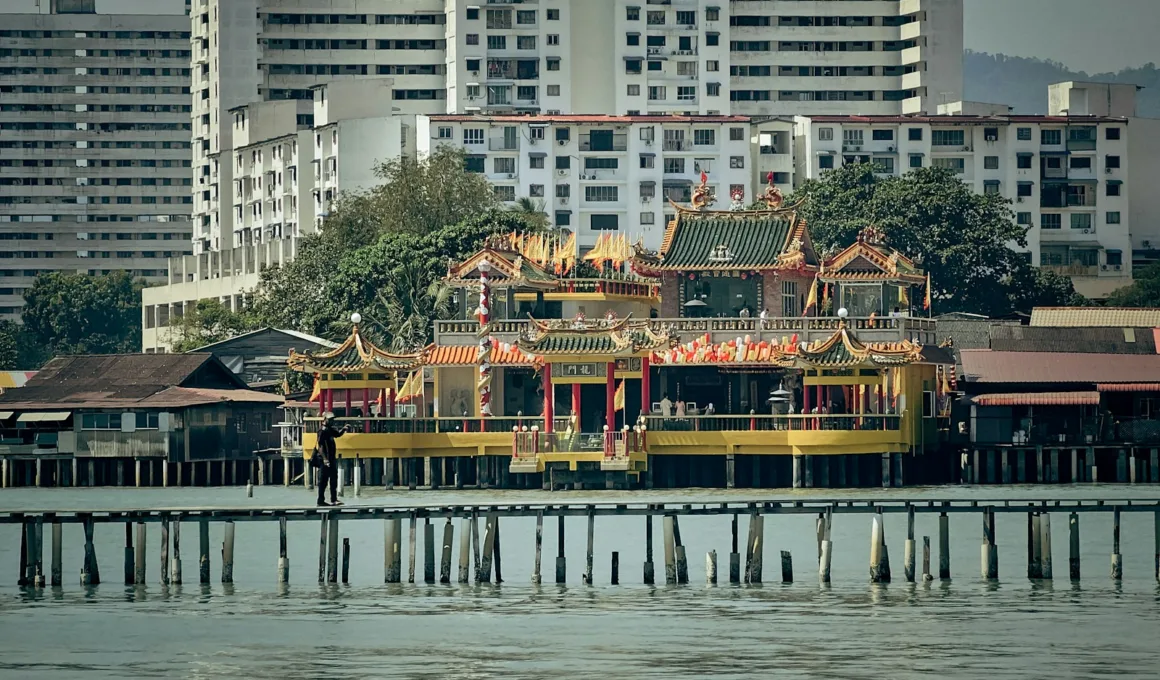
x: 771, y: 151
x: 1066, y: 176
x: 835, y: 57
x: 597, y: 173
x: 94, y: 143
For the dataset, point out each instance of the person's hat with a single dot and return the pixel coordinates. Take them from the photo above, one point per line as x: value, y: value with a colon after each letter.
x: 329, y: 415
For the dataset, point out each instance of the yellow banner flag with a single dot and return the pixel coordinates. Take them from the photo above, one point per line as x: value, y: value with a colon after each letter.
x: 618, y: 398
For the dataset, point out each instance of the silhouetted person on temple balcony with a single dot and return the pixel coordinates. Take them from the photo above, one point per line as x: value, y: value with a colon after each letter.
x: 326, y: 455
x: 666, y: 406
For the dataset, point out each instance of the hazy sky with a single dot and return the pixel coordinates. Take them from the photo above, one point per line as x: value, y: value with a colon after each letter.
x: 1086, y: 35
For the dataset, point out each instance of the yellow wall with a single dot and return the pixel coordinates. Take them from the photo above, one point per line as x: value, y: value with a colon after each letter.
x: 457, y: 390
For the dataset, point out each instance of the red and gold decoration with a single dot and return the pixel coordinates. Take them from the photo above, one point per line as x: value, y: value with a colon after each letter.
x: 485, y: 341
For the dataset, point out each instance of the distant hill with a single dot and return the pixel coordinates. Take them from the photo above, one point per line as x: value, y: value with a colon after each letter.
x: 1022, y: 82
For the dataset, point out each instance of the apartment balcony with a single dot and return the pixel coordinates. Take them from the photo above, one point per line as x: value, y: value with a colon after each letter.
x: 603, y: 175
x: 613, y: 143
x: 1072, y: 269
x: 502, y: 144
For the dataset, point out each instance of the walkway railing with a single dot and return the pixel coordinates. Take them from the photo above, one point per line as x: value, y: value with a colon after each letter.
x: 529, y: 442
x: 752, y: 325
x: 753, y: 422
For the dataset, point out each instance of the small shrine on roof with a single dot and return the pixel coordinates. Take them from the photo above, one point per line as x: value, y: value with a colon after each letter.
x: 733, y: 263
x: 870, y: 278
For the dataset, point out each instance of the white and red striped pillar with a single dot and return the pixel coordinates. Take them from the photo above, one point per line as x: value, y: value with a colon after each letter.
x: 484, y: 340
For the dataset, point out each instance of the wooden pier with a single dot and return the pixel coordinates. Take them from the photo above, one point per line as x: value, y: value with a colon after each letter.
x: 481, y: 548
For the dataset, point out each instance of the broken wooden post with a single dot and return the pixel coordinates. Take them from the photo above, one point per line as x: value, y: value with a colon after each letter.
x: 561, y: 562
x: 283, y: 559
x: 944, y: 546
x: 203, y: 550
x: 649, y: 572
x: 670, y: 551
x: 679, y: 549
x: 879, y: 557
x: 786, y: 567
x: 139, y: 559
x: 90, y: 571
x: 345, y: 560
x: 445, y: 561
x: 926, y: 575
x: 827, y: 547
x: 539, y: 546
x: 711, y: 567
x: 1035, y: 568
x: 465, y: 551
x: 175, y: 559
x: 757, y: 524
x: 164, y: 550
x: 411, y: 550
x: 1045, y: 546
x: 392, y: 550
x: 428, y: 551
x: 908, y: 555
x: 615, y: 578
x: 734, y: 556
x: 497, y: 557
x: 332, y: 548
x: 988, y: 557
x: 130, y: 557
x: 228, y: 553
x: 1073, y: 545
x: 322, y: 548
x: 488, y: 549
x: 587, y: 576
x: 1117, y: 558
x: 57, y: 570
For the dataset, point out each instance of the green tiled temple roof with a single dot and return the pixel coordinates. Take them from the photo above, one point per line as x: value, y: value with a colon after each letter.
x: 596, y: 338
x: 573, y: 343
x: 754, y: 240
x: 355, y: 355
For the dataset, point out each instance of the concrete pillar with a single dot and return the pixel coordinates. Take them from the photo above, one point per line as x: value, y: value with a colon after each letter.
x: 1154, y: 465
x: 991, y: 479
x: 1021, y: 465
x: 730, y: 471
x: 1039, y: 476
x: 976, y: 468
x: 1122, y: 467
x: 808, y: 471
x: 798, y: 474
x: 1075, y: 470
x: 898, y: 479
x: 1054, y: 469
x: 1005, y: 467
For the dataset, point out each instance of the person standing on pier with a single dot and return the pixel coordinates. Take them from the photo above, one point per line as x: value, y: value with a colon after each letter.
x: 326, y: 455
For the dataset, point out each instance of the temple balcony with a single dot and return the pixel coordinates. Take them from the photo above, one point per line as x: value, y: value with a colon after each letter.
x: 722, y: 329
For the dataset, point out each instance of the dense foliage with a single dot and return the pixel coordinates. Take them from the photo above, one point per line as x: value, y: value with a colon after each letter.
x: 1144, y: 291
x: 962, y: 238
x: 82, y: 314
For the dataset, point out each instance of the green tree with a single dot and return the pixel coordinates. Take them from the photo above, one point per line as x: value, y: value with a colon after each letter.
x: 1144, y: 291
x: 208, y: 322
x: 533, y: 210
x: 82, y: 314
x: 429, y: 192
x: 10, y: 332
x: 963, y: 239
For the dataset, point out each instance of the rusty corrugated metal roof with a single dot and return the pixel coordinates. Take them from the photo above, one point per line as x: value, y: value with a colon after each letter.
x: 1038, y: 399
x: 988, y: 366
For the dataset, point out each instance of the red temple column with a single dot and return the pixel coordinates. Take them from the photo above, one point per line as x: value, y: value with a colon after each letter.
x: 347, y: 393
x: 549, y: 400
x: 645, y: 387
x: 805, y: 404
x: 610, y: 397
x: 366, y: 409
x: 576, y: 405
x: 391, y: 400
x: 821, y: 405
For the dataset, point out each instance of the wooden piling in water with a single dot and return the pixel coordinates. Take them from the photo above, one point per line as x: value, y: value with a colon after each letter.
x: 283, y: 559
x: 411, y: 550
x: 711, y: 567
x: 989, y: 558
x: 392, y: 550
x: 755, y: 575
x: 944, y: 546
x: 908, y: 555
x: 587, y: 576
x: 827, y: 547
x: 679, y: 550
x: 498, y: 554
x: 445, y: 561
x: 57, y: 573
x: 926, y: 575
x: 649, y: 570
x: 786, y: 567
x: 332, y: 548
x: 1045, y: 571
x: 539, y: 546
x: 322, y: 548
x: 1117, y: 558
x: 164, y: 551
x: 488, y: 549
x: 734, y: 556
x: 464, y: 551
x: 139, y: 558
x: 670, y: 551
x: 38, y: 552
x: 615, y: 568
x: 90, y: 572
x: 175, y: 559
x: 1156, y: 527
x: 1035, y: 565
x: 428, y: 551
x: 879, y: 556
x: 561, y: 562
x: 203, y: 551
x: 345, y: 560
x: 228, y: 553
x: 130, y: 557
x: 1073, y: 545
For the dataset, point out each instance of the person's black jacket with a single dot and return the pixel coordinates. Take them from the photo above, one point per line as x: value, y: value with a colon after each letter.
x: 326, y: 444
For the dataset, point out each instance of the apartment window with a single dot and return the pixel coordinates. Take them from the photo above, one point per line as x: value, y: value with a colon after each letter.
x: 884, y: 166
x: 789, y: 298
x: 712, y: 39
x: 826, y: 134
x: 712, y: 66
x: 563, y: 218
x: 991, y: 187
x: 536, y: 190
x: 657, y: 93
x: 632, y: 66
x: 526, y: 42
x: 601, y: 194
x: 687, y: 94
x: 504, y: 193
x: 536, y: 162
x: 711, y: 90
x: 990, y: 162
x: 472, y: 13
x: 632, y: 14
x: 445, y: 133
x: 826, y: 162
x: 1112, y: 133
x: 647, y: 218
x: 526, y: 17
x: 563, y: 190
x: 882, y: 135
x: 632, y: 39
x: 1051, y: 137
x: 553, y: 91
x: 704, y: 137
x: 704, y: 165
x: 947, y: 138
x: 1081, y: 220
x: 504, y: 166
x: 496, y: 42
x: 1049, y: 221
x: 737, y: 162
x: 916, y: 160
x: 553, y: 39
x: 472, y: 39
x: 563, y: 162
x: 1024, y: 190
x: 563, y: 134
x: 648, y: 190
x: 605, y: 223
x: 633, y: 90
x: 712, y: 14
x: 1023, y: 134
x: 655, y: 66
x: 914, y: 134
x: 647, y: 134
x: 1023, y: 161
x: 1023, y: 218
x: 1113, y: 217
x: 675, y: 166
x: 1114, y: 258
x: 955, y: 165
x: 655, y: 18
x: 1113, y: 189
x: 473, y: 135
x: 1080, y: 163
x: 553, y: 64
x: 536, y: 132
x: 1112, y: 162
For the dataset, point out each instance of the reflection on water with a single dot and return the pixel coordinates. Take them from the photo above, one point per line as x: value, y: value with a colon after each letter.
x: 964, y: 628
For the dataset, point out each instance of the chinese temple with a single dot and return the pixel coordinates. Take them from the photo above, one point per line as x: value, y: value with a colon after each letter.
x: 735, y: 356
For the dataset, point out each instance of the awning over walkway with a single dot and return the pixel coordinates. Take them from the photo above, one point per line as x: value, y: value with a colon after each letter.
x: 1038, y: 399
x: 1128, y: 387
x: 44, y: 417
